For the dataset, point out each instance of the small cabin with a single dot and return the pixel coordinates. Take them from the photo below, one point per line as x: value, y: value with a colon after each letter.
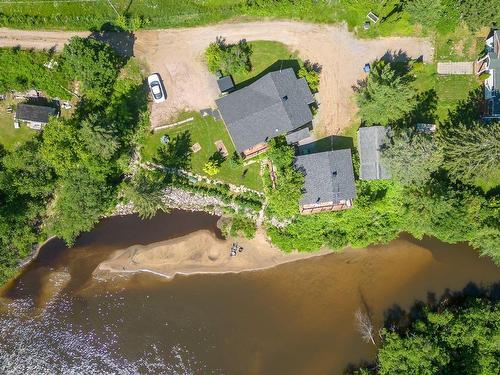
x: 34, y: 116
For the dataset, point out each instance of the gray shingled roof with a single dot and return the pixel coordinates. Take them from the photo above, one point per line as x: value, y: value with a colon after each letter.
x: 38, y: 113
x: 298, y: 135
x: 329, y: 176
x: 273, y: 105
x: 370, y: 140
x: 225, y: 84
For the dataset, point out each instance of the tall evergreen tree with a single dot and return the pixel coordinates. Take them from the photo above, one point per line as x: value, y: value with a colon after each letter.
x: 471, y: 151
x: 386, y: 97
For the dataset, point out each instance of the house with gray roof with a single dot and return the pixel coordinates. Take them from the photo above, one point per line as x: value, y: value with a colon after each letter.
x: 370, y: 141
x: 34, y: 116
x: 490, y: 64
x: 275, y: 104
x: 329, y: 181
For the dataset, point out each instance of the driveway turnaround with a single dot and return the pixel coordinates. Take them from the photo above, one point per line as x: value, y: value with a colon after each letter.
x: 177, y: 55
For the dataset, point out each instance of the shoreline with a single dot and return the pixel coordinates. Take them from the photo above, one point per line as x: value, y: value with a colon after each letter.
x: 200, y: 252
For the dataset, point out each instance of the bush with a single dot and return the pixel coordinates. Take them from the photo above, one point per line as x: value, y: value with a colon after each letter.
x: 242, y: 226
x: 235, y: 161
x: 229, y: 58
x: 211, y: 168
x: 311, y: 76
x: 22, y: 70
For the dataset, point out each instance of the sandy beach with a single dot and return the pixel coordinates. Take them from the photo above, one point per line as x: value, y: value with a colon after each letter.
x: 198, y: 252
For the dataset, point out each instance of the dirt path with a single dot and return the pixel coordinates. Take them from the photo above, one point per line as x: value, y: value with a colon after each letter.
x: 177, y: 55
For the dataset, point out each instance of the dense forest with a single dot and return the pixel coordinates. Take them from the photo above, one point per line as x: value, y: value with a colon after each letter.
x: 66, y: 178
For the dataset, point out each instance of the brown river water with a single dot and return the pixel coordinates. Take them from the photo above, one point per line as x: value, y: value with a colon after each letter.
x: 297, y: 318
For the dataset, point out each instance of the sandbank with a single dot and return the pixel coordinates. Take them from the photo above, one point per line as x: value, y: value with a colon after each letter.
x: 198, y: 252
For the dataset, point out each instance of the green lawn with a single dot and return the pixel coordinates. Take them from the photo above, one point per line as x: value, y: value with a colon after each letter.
x: 267, y: 57
x: 206, y: 131
x: 460, y: 44
x: 448, y: 90
x: 9, y: 136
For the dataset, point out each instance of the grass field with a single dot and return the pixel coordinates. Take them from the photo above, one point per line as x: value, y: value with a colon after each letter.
x: 205, y: 131
x: 267, y: 56
x: 92, y: 14
x: 448, y: 91
x: 10, y: 137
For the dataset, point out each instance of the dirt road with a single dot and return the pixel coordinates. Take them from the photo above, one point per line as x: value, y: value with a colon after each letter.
x: 177, y: 54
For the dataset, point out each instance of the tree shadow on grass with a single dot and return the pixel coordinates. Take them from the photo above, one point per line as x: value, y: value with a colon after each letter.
x: 424, y: 112
x: 467, y: 111
x: 217, y: 158
x: 176, y: 153
x: 278, y: 65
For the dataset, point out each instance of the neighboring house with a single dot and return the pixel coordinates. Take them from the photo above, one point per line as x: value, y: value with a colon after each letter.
x: 370, y: 140
x: 329, y: 181
x: 490, y: 65
x: 34, y: 116
x: 276, y: 104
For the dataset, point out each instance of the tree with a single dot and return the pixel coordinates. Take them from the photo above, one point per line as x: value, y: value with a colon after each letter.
x: 59, y: 145
x: 471, y: 151
x: 461, y: 339
x: 92, y: 62
x: 235, y: 160
x: 425, y: 12
x: 364, y: 326
x: 386, y: 97
x: 229, y: 58
x: 27, y: 173
x: 176, y: 153
x: 145, y: 191
x: 97, y: 145
x: 211, y: 168
x: 242, y: 226
x: 411, y: 158
x: 81, y: 199
x: 479, y: 14
x: 283, y: 196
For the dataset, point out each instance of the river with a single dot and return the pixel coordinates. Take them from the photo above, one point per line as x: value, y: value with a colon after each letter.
x: 297, y: 318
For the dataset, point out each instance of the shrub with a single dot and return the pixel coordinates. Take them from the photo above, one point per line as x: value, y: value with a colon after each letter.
x: 242, y: 226
x: 229, y: 58
x: 235, y: 160
x: 23, y: 70
x: 211, y: 168
x: 311, y: 76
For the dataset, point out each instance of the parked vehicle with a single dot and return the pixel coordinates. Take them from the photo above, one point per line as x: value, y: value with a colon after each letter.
x: 156, y: 88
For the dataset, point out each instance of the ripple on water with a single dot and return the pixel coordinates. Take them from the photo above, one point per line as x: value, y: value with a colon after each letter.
x: 46, y: 344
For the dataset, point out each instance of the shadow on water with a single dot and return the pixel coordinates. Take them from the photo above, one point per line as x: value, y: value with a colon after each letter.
x: 295, y: 318
x: 111, y: 234
x: 399, y: 320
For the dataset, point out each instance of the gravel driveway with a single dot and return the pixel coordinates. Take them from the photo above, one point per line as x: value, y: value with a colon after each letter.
x: 176, y: 54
